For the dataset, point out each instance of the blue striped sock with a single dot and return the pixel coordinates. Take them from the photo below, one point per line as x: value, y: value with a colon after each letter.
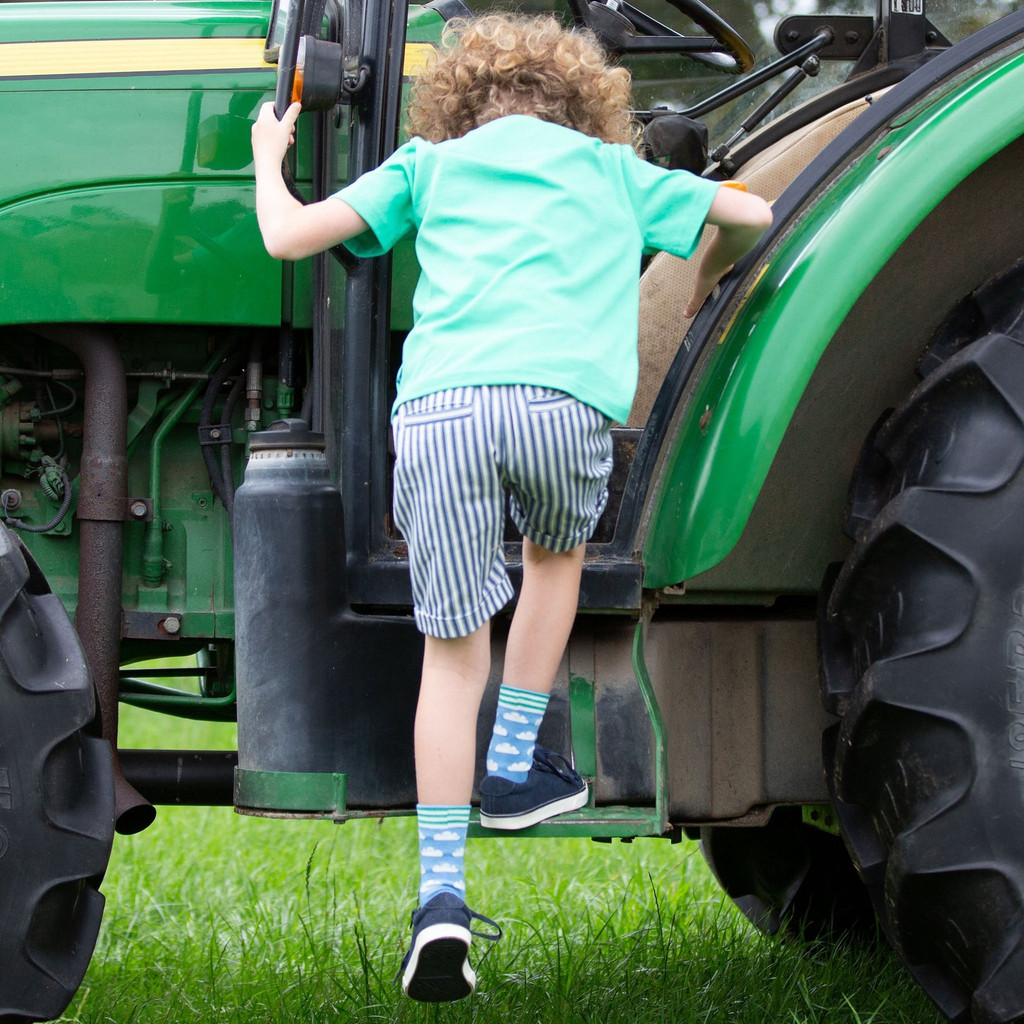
x: 516, y: 722
x: 442, y: 829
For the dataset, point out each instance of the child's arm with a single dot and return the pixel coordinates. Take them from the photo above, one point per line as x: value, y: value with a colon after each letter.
x: 292, y: 231
x: 741, y: 218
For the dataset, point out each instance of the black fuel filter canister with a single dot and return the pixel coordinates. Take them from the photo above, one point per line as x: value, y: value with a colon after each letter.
x: 326, y: 696
x: 288, y: 539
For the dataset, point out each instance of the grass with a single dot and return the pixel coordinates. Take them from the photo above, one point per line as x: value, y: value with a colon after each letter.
x: 214, y: 917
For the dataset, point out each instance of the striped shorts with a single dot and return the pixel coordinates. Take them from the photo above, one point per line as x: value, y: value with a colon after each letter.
x: 458, y: 452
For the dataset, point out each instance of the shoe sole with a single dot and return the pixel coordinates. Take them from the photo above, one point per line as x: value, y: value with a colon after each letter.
x: 511, y: 822
x: 439, y: 970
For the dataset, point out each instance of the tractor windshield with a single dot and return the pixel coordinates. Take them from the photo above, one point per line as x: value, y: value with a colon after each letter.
x: 679, y: 82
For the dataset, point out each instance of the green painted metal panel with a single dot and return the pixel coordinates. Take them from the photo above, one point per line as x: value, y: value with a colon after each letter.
x: 35, y: 22
x: 136, y: 204
x: 582, y: 708
x: 590, y: 823
x: 757, y: 373
x: 127, y: 132
x: 314, y: 792
x: 153, y: 253
x: 196, y: 586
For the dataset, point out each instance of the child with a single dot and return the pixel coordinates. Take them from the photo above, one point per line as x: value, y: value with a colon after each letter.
x: 531, y: 211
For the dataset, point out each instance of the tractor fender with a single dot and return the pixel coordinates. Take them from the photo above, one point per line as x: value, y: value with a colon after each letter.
x: 835, y: 229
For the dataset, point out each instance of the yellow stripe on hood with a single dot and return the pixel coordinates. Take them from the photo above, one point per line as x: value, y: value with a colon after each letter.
x: 129, y: 56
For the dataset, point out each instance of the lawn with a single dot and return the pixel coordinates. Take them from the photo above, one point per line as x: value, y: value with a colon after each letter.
x: 215, y: 917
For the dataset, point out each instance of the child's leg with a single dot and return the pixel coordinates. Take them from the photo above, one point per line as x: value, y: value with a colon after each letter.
x: 449, y: 506
x: 437, y: 967
x: 520, y: 789
x: 543, y: 617
x: 540, y: 630
x: 454, y: 675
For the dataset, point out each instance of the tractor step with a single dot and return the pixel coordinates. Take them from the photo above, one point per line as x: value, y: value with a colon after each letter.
x: 586, y: 823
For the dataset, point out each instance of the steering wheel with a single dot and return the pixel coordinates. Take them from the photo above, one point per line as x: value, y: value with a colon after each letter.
x: 623, y: 28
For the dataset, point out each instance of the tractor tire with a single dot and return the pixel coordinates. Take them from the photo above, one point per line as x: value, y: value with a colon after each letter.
x: 56, y: 798
x: 923, y: 660
x: 791, y: 877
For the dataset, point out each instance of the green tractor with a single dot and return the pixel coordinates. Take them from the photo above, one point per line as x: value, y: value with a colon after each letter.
x: 801, y: 626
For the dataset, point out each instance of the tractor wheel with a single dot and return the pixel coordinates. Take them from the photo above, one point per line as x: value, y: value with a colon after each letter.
x: 790, y: 876
x: 56, y: 798
x: 923, y: 660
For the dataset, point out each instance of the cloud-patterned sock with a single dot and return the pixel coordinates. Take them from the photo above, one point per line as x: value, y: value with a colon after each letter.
x: 516, y: 722
x: 442, y: 849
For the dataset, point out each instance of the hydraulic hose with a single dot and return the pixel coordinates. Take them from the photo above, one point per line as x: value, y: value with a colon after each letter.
x: 153, y: 546
x: 227, y: 480
x: 230, y: 365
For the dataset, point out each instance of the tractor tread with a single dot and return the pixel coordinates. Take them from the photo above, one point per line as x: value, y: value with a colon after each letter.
x: 57, y: 831
x: 917, y: 630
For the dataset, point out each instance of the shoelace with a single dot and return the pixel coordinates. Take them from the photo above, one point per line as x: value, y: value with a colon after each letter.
x: 486, y: 920
x: 546, y: 760
x: 472, y: 914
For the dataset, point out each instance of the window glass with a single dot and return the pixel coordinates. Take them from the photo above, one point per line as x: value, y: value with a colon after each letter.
x: 678, y: 82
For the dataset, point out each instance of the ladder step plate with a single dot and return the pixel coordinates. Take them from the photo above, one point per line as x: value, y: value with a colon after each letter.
x: 586, y: 823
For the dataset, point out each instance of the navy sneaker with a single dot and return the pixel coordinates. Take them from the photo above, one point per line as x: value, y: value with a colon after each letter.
x: 437, y: 969
x: 552, y: 787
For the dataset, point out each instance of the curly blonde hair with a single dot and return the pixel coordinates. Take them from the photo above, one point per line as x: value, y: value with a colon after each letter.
x: 502, y: 64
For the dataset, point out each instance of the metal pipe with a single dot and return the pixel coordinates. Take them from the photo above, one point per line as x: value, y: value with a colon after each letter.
x: 201, y: 777
x: 254, y: 388
x: 153, y: 543
x: 102, y: 503
x: 819, y: 41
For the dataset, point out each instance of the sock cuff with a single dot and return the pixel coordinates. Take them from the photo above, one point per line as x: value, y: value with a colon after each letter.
x: 522, y: 700
x: 441, y: 815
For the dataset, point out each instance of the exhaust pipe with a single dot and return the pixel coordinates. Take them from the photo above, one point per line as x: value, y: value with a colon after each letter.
x: 103, y: 493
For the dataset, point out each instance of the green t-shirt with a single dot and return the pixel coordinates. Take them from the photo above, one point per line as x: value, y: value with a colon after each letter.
x: 529, y: 237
